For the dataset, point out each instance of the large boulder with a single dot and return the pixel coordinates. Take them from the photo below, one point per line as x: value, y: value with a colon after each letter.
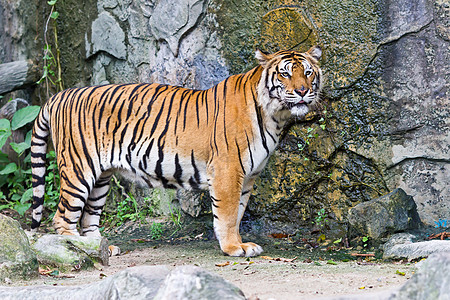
x: 394, y: 212
x: 67, y: 251
x: 17, y: 260
x: 402, y: 245
x: 431, y: 281
x: 132, y: 283
x: 144, y: 282
x: 191, y: 283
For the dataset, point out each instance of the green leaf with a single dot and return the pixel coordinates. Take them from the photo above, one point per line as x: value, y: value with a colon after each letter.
x: 5, y: 131
x: 20, y: 147
x: 2, y: 207
x: 27, y: 196
x: 54, y: 15
x: 24, y: 116
x: 5, y: 125
x: 28, y: 137
x: 22, y: 208
x: 16, y: 197
x: 52, y: 2
x: 331, y: 262
x: 4, y: 158
x: 10, y: 168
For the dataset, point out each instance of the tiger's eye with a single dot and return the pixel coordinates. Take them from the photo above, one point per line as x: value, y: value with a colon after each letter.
x: 285, y: 74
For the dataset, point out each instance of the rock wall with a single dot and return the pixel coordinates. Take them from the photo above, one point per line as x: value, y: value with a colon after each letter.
x: 384, y: 119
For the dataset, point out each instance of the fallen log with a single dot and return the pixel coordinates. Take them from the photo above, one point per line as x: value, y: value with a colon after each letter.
x: 16, y: 75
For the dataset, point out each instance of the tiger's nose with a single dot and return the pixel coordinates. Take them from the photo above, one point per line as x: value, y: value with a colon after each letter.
x: 302, y: 91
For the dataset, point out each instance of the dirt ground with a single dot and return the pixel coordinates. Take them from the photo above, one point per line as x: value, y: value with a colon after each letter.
x: 314, y: 273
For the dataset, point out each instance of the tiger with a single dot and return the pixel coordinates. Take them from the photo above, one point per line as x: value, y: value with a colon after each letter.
x: 218, y: 139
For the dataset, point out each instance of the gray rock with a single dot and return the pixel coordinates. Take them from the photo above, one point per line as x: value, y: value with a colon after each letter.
x: 68, y: 251
x: 388, y: 214
x: 17, y: 260
x: 132, y: 283
x: 189, y: 282
x: 190, y: 201
x: 107, y: 36
x: 411, y: 250
x: 431, y: 281
x: 183, y: 15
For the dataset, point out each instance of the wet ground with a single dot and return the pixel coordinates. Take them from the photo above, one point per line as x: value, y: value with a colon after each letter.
x: 286, y: 270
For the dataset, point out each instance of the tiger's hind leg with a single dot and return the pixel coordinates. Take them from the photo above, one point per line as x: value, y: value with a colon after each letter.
x: 72, y: 198
x: 90, y: 221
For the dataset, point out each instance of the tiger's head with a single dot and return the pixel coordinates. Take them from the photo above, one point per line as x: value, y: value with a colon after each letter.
x: 290, y: 81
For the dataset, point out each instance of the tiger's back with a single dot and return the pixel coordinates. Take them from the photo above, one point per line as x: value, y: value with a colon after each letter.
x: 218, y: 139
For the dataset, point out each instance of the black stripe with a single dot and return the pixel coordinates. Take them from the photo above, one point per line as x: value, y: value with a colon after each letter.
x: 250, y: 151
x: 33, y: 143
x: 40, y: 126
x: 197, y: 109
x: 146, y: 155
x: 37, y: 180
x: 44, y: 138
x: 178, y: 171
x: 239, y: 155
x: 186, y: 105
x: 214, y: 199
x: 98, y: 197
x: 261, y: 127
x: 224, y: 109
x: 216, y: 113
x: 196, y: 172
x: 38, y: 165
x: 205, y: 99
x: 74, y: 195
x: 37, y: 201
x: 35, y: 224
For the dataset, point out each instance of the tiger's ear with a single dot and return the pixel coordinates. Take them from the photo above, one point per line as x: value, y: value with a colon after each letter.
x: 315, y: 52
x: 263, y: 58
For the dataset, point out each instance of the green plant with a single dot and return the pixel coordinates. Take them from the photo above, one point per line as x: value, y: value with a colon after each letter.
x: 321, y: 218
x: 311, y: 132
x: 156, y: 230
x: 15, y: 176
x: 52, y: 65
x: 365, y: 240
x: 15, y: 179
x: 175, y: 217
x: 122, y: 207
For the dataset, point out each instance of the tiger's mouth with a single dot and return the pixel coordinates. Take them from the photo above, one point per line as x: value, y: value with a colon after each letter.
x: 290, y: 105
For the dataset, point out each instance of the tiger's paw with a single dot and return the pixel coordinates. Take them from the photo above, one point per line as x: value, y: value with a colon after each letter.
x: 244, y: 249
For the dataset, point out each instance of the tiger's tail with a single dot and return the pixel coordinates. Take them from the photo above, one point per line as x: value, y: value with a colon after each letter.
x: 39, y: 141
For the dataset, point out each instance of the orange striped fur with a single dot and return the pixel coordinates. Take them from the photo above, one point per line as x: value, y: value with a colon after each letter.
x: 218, y: 139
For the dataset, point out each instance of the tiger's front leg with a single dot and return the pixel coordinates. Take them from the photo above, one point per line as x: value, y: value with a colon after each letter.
x: 226, y: 197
